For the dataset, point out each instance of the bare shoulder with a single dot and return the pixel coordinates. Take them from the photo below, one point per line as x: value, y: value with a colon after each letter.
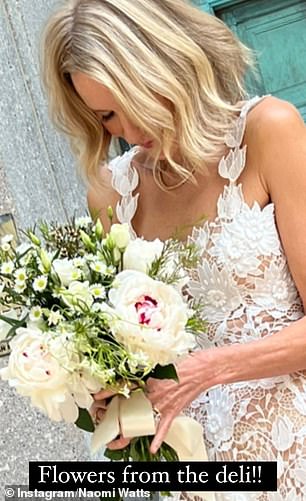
x: 276, y: 136
x: 102, y: 195
x: 273, y: 116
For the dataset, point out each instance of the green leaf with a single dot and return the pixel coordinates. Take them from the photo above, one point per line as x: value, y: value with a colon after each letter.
x: 84, y: 421
x: 165, y: 372
x: 114, y: 455
x: 14, y: 322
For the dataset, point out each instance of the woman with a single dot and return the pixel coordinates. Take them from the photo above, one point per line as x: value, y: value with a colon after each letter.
x: 169, y: 79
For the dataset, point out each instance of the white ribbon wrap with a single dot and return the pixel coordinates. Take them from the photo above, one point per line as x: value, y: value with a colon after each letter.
x: 134, y: 417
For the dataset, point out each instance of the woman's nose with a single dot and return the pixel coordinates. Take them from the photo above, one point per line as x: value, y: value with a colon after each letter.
x: 130, y: 133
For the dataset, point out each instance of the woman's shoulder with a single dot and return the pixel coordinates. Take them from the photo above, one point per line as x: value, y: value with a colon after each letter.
x: 101, y: 195
x: 273, y: 115
x: 273, y: 126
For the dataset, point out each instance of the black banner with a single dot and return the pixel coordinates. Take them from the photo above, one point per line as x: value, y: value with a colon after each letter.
x: 162, y: 476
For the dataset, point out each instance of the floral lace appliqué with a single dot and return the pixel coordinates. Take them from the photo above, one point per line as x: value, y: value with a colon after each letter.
x: 247, y: 293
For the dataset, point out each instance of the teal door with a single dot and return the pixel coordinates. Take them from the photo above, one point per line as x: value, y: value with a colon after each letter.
x: 276, y: 30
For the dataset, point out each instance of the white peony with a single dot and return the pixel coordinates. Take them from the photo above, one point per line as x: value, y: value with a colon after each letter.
x: 66, y: 270
x: 43, y: 367
x: 152, y: 318
x: 140, y: 254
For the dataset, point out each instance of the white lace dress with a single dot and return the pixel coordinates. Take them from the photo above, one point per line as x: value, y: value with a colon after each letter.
x: 248, y: 293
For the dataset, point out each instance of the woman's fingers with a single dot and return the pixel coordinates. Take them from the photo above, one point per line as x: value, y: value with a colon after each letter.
x: 162, y: 430
x: 100, y: 415
x: 103, y: 394
x: 119, y: 443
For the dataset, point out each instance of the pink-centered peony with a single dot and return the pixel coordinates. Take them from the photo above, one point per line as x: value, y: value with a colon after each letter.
x: 152, y: 318
x: 148, y: 312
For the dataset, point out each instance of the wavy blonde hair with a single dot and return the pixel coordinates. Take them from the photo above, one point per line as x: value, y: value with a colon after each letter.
x: 141, y: 50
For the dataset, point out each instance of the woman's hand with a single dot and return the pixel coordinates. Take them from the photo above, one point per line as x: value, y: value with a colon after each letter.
x: 168, y: 397
x: 98, y: 410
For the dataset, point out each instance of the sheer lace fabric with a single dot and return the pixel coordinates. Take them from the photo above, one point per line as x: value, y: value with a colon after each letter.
x: 248, y: 293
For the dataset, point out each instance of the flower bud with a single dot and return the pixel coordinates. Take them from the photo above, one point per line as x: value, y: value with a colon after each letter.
x: 99, y: 230
x: 110, y: 213
x: 45, y: 260
x: 120, y: 234
x: 34, y: 239
x: 117, y: 255
x: 87, y: 241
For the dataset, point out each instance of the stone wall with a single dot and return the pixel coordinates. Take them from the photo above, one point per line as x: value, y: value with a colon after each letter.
x: 39, y: 175
x: 37, y: 180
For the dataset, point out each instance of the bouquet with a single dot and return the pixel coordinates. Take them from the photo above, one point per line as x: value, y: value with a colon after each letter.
x: 85, y: 311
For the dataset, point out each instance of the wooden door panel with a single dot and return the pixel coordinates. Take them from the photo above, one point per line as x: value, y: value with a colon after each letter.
x: 277, y: 32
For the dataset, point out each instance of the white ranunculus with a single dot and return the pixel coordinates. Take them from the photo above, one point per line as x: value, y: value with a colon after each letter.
x: 120, y: 235
x: 153, y: 316
x: 66, y: 270
x: 42, y: 367
x: 140, y: 254
x: 4, y: 326
x: 77, y: 296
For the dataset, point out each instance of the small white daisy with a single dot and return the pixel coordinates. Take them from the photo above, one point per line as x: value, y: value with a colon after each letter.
x: 98, y: 267
x: 35, y: 314
x: 20, y: 275
x: 20, y: 287
x: 110, y: 270
x: 40, y: 283
x: 7, y: 267
x: 5, y: 247
x: 75, y: 275
x: 98, y: 291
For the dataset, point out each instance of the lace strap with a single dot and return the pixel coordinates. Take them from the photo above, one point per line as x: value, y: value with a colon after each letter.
x: 125, y: 180
x: 231, y: 166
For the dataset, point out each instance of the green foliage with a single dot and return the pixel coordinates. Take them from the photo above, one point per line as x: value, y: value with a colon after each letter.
x: 176, y: 259
x: 139, y: 450
x: 84, y: 421
x: 165, y: 372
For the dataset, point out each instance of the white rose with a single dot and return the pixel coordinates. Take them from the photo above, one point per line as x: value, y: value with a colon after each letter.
x: 140, y: 254
x: 77, y: 296
x: 43, y: 367
x: 4, y: 326
x: 66, y: 270
x: 120, y: 235
x: 153, y: 316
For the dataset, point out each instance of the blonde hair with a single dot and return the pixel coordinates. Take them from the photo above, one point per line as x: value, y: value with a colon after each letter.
x: 141, y: 50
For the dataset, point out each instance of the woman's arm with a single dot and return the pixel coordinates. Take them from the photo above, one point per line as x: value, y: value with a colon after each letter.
x: 281, y: 353
x: 276, y: 139
x: 101, y: 196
